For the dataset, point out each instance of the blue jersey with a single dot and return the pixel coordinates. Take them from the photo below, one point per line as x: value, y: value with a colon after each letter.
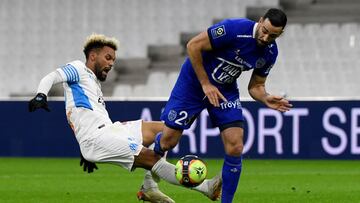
x: 234, y: 49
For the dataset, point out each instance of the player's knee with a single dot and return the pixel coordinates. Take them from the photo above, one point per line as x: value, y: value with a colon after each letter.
x: 168, y: 144
x: 170, y: 138
x: 170, y: 141
x: 235, y: 150
x: 146, y: 159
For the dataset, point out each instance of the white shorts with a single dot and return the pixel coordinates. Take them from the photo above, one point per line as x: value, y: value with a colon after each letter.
x: 116, y: 143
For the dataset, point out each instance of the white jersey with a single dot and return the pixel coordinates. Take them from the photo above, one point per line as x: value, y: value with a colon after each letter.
x: 100, y: 139
x: 84, y: 103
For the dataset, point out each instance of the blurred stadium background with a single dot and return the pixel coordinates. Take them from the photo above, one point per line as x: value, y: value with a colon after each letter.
x: 318, y: 51
x: 318, y: 63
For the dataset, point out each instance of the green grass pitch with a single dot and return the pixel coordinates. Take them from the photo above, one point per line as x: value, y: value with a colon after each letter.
x: 62, y: 180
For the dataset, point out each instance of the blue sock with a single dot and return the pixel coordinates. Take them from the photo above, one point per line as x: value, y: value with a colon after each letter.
x: 230, y: 174
x: 157, y: 147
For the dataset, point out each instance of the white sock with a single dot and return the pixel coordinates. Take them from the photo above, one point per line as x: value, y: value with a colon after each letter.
x: 165, y: 171
x: 203, y: 187
x: 149, y: 181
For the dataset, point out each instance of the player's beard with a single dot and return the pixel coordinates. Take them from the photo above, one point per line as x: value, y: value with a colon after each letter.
x: 259, y: 42
x: 99, y: 72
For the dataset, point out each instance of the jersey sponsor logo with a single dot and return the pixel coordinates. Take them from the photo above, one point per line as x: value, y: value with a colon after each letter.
x: 218, y: 31
x: 260, y: 63
x: 226, y: 72
x: 244, y: 36
x: 231, y: 104
x: 242, y: 61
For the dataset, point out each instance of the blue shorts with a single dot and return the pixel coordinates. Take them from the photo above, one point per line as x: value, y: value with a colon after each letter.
x: 185, y: 104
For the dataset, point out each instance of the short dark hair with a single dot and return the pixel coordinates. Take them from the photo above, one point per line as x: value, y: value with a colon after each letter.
x: 97, y: 41
x: 276, y: 17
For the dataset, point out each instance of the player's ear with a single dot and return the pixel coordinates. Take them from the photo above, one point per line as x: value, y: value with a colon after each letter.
x: 261, y: 20
x: 92, y: 56
x: 282, y: 31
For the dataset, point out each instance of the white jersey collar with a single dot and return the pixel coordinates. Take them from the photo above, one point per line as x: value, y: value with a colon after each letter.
x: 254, y: 29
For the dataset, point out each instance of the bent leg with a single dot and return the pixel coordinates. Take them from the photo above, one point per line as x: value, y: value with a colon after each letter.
x: 149, y: 190
x: 170, y: 138
x: 146, y: 159
x: 233, y: 143
x: 149, y: 130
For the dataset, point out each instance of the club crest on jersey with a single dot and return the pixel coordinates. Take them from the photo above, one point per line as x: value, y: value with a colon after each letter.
x: 260, y: 63
x: 218, y: 31
x: 172, y: 115
x: 132, y: 144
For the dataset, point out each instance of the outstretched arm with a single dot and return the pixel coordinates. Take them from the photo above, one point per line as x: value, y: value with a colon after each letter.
x: 196, y: 45
x: 258, y: 92
x: 40, y: 100
x: 48, y: 81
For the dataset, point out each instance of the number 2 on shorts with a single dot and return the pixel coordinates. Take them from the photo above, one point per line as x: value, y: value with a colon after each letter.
x: 183, y: 115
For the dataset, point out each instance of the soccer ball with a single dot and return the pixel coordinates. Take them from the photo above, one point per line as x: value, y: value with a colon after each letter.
x: 190, y: 171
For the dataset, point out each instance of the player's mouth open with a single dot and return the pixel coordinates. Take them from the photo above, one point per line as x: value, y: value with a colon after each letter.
x: 106, y: 70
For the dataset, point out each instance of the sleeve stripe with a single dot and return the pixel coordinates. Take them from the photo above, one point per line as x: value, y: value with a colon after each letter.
x: 76, y: 74
x: 66, y: 73
x: 71, y: 73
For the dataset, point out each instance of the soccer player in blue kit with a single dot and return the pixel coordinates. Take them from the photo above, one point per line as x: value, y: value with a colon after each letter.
x: 207, y: 79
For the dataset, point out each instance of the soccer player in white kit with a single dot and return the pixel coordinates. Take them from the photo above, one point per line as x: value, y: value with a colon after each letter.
x: 101, y: 140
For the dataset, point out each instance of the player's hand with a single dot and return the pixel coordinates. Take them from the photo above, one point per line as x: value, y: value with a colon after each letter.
x: 213, y: 94
x: 278, y: 103
x: 39, y: 101
x: 87, y: 165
